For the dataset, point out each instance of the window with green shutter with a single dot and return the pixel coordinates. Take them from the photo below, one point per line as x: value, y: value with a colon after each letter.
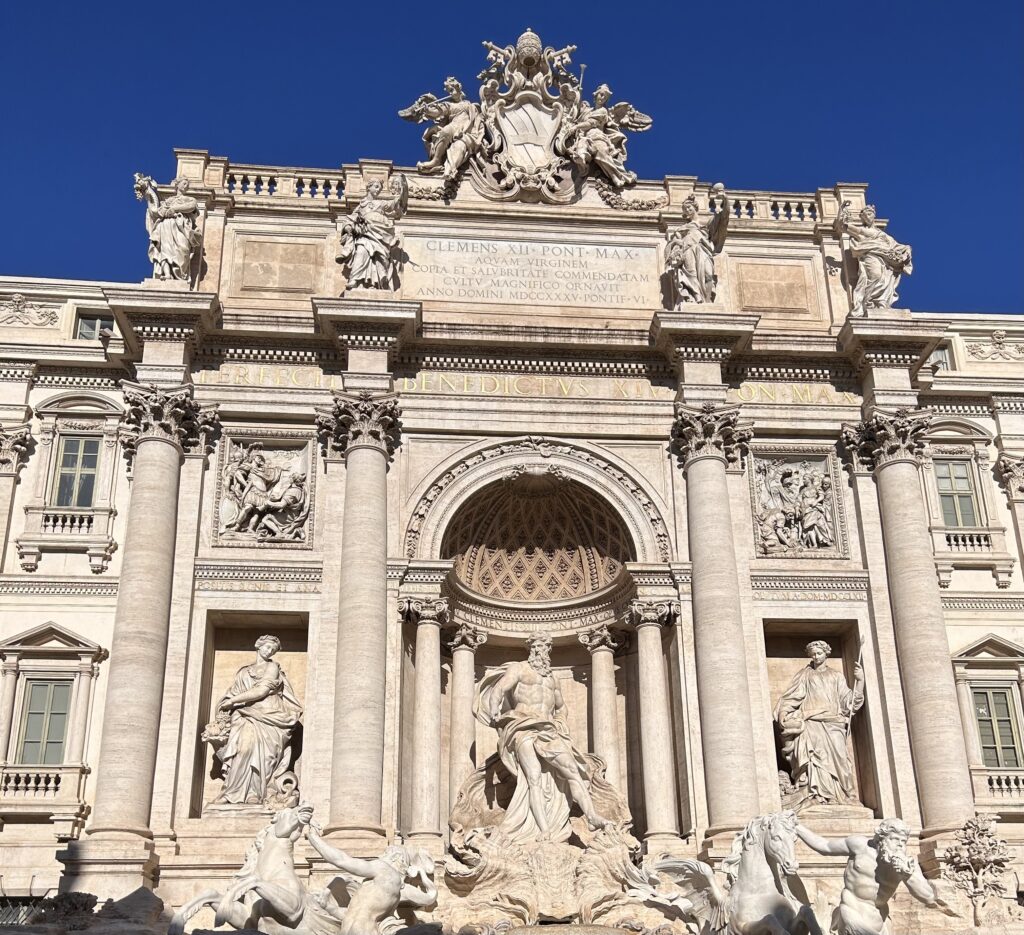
x: 997, y: 727
x: 956, y: 493
x: 44, y: 724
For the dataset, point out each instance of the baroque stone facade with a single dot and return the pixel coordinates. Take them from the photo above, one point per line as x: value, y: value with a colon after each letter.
x: 533, y: 484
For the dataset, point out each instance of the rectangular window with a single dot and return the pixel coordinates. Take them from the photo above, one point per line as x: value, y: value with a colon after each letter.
x: 76, y: 470
x: 997, y: 727
x: 88, y: 327
x: 956, y: 493
x: 45, y: 723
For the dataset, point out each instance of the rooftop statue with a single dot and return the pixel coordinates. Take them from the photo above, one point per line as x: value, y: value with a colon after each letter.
x: 691, y: 249
x: 881, y: 260
x: 172, y: 223
x: 533, y: 136
x: 370, y: 248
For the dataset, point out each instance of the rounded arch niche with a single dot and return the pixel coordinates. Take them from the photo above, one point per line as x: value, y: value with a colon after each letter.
x: 539, y: 532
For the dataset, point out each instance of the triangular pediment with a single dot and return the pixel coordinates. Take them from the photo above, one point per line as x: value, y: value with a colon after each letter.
x: 49, y: 637
x: 991, y: 646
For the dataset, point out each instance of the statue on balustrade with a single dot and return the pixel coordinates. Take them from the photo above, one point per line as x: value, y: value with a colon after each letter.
x: 522, y: 701
x: 174, y: 237
x: 814, y: 715
x: 253, y: 731
x: 691, y: 249
x: 268, y: 894
x: 875, y: 867
x: 457, y: 133
x: 881, y: 260
x: 370, y: 248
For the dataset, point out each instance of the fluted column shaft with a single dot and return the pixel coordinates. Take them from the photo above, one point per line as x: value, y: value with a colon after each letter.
x: 971, y: 739
x: 603, y: 711
x: 462, y: 729
x: 893, y: 446
x: 166, y: 422
x: 8, y: 684
x: 655, y: 721
x: 80, y: 715
x: 426, y: 727
x: 705, y: 439
x: 138, y: 650
x: 365, y: 428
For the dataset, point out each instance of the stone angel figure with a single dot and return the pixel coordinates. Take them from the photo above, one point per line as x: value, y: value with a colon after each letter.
x: 690, y: 254
x: 881, y: 260
x: 592, y: 135
x: 457, y: 133
x: 174, y: 237
x: 370, y: 248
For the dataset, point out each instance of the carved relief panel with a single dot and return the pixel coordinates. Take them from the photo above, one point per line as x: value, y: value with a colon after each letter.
x: 796, y: 504
x: 265, y: 488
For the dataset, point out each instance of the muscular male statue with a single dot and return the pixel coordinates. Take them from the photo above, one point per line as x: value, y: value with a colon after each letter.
x: 875, y: 868
x: 523, y: 703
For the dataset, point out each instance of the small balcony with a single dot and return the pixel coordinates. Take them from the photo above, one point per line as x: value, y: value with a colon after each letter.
x: 64, y: 529
x: 44, y: 793
x: 999, y: 790
x: 969, y: 548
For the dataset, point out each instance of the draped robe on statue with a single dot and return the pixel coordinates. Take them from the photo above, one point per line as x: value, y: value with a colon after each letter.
x: 550, y: 736
x: 814, y: 713
x: 258, y: 750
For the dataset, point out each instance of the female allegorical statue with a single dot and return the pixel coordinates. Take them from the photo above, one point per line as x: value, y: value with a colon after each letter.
x: 252, y: 733
x: 369, y: 243
x: 691, y: 249
x: 882, y: 260
x: 174, y: 237
x: 814, y: 715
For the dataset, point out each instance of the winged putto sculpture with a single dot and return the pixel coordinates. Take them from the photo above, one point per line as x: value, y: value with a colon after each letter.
x: 533, y: 136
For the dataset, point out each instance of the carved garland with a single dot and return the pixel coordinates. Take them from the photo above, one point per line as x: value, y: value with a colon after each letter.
x: 545, y: 447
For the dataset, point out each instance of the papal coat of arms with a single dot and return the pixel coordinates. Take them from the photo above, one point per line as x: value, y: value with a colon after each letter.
x: 532, y: 137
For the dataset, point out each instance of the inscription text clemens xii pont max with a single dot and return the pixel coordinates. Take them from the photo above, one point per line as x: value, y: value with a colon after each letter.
x: 516, y: 272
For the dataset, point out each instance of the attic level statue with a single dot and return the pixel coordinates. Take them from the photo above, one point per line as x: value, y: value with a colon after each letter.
x: 881, y: 260
x: 172, y: 224
x: 532, y: 137
x: 690, y: 254
x: 370, y: 249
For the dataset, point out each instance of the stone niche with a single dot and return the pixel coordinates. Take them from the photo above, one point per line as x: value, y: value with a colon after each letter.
x: 785, y: 655
x: 231, y: 639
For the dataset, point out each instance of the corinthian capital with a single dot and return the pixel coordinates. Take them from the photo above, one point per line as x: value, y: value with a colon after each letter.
x: 1010, y: 471
x: 170, y: 414
x: 14, y: 445
x: 466, y: 637
x: 424, y: 610
x: 883, y: 438
x: 362, y: 419
x: 600, y: 638
x: 709, y: 431
x: 653, y: 613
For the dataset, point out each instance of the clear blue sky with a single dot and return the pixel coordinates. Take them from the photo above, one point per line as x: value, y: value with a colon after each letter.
x: 923, y: 100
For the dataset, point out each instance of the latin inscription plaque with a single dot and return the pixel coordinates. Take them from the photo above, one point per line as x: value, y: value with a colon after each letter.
x: 521, y: 272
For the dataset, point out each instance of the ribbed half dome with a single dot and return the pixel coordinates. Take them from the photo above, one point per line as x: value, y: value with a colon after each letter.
x: 536, y: 537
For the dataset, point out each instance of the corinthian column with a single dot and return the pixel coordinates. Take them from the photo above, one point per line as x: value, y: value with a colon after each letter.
x: 14, y: 445
x: 602, y: 644
x: 892, y: 446
x: 462, y: 732
x: 162, y: 424
x: 706, y: 439
x: 365, y: 428
x: 1010, y: 470
x: 655, y: 721
x: 426, y: 726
